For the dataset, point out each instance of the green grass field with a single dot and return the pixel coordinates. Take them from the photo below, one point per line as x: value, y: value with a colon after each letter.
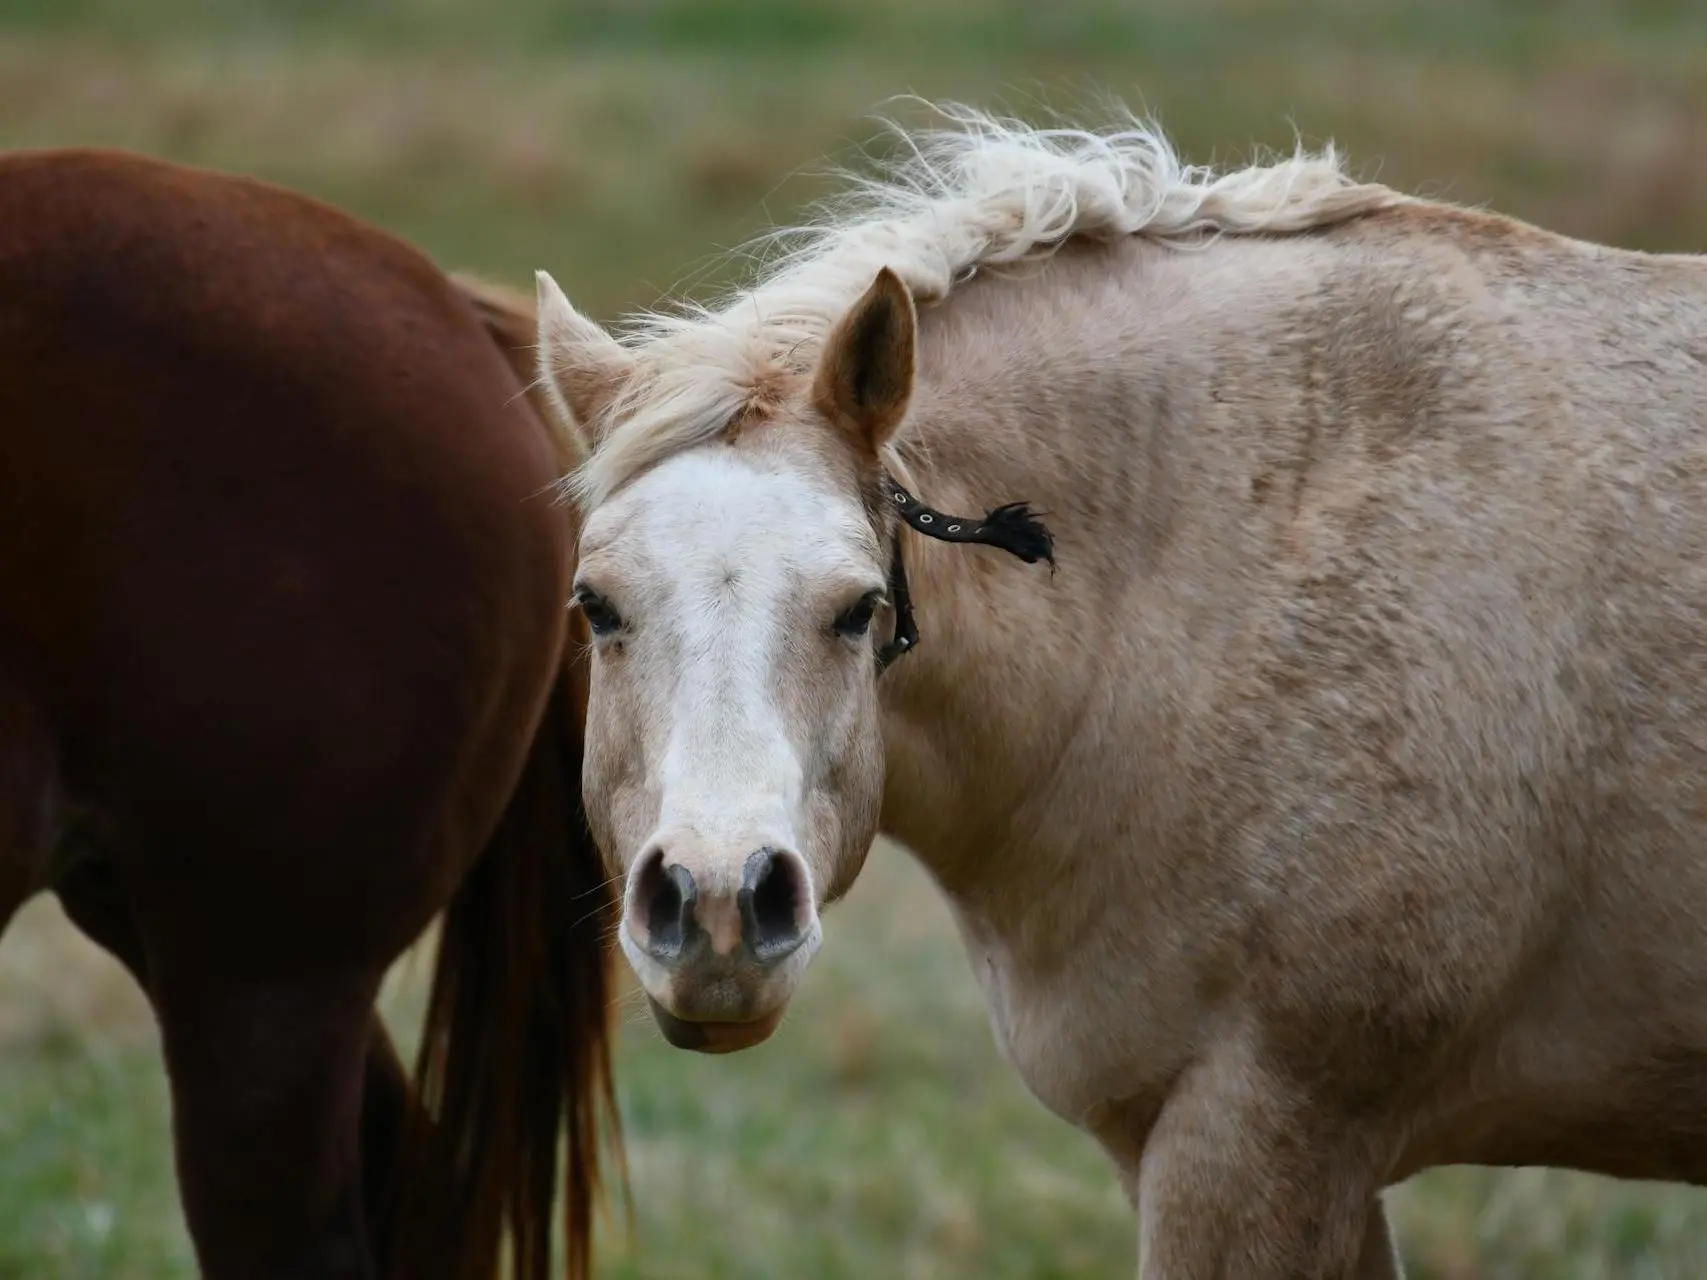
x: 622, y: 144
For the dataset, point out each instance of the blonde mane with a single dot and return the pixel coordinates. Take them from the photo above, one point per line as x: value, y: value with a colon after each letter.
x: 982, y: 192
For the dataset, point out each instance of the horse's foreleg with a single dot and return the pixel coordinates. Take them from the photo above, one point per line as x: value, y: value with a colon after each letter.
x: 267, y: 1084
x: 1378, y: 1258
x: 1242, y: 1179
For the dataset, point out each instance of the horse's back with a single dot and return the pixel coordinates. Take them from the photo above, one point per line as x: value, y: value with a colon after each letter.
x: 273, y: 515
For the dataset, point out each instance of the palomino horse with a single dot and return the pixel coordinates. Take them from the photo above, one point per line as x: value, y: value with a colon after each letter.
x: 1337, y: 809
x: 284, y: 673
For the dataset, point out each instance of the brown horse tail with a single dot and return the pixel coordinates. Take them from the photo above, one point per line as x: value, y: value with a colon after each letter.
x: 516, y: 1047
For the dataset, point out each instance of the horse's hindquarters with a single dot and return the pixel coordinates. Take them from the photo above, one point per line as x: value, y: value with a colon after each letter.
x: 279, y: 551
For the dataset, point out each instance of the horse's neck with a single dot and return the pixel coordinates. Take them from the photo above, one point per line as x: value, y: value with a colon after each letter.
x: 990, y: 712
x: 1034, y: 728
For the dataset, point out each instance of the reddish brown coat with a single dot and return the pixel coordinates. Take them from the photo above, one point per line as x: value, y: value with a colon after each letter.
x: 282, y: 652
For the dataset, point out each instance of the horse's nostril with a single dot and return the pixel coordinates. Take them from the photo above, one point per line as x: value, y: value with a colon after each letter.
x: 773, y: 889
x: 667, y: 895
x: 681, y: 925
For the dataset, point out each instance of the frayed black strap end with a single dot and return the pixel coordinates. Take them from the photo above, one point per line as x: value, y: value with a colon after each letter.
x: 1020, y: 531
x: 1013, y: 527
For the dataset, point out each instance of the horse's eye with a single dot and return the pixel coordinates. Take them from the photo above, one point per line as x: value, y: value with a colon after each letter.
x: 855, y: 621
x: 603, y: 619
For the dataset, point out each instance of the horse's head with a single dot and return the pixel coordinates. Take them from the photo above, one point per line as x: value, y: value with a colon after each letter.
x: 735, y: 590
x: 742, y: 577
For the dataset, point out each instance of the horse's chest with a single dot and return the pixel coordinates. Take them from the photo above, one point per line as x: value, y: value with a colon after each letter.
x: 1029, y: 1033
x: 1081, y: 1044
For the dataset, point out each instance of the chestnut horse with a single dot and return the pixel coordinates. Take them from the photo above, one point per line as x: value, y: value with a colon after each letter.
x: 285, y: 672
x: 1337, y: 810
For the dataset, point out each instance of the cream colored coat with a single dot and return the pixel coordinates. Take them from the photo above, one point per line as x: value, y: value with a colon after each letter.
x: 1339, y: 807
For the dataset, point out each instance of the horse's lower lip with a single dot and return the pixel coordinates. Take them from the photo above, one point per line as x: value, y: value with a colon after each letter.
x: 713, y: 1037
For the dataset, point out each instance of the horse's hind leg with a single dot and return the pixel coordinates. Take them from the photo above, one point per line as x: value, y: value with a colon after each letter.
x: 29, y: 799
x: 388, y: 1103
x: 1380, y: 1257
x: 96, y: 903
x: 267, y: 1079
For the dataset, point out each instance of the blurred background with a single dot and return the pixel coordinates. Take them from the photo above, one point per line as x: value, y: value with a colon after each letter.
x: 621, y: 144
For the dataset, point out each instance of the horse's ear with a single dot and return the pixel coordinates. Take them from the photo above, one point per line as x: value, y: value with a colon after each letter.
x: 581, y: 367
x: 865, y: 376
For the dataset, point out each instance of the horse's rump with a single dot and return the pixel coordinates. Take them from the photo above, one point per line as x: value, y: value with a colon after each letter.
x: 280, y: 562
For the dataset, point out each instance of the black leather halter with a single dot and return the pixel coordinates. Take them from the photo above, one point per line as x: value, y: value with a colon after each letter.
x: 1013, y: 527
